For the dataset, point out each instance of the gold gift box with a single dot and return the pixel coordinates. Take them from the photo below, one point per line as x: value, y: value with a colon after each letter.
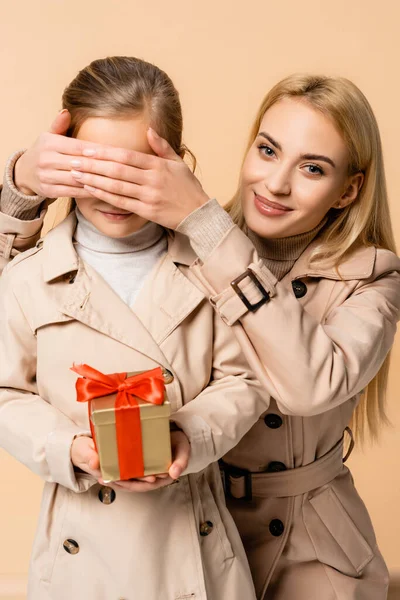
x: 156, y: 438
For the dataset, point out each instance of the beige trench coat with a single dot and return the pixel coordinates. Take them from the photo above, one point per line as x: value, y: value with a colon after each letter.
x: 307, y: 533
x: 175, y: 543
x: 314, y: 346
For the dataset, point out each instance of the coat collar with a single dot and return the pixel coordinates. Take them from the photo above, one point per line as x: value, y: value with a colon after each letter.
x: 59, y: 256
x: 180, y: 250
x: 56, y: 263
x: 358, y: 265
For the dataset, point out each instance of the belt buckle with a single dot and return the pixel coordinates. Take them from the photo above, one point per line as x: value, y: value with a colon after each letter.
x: 230, y: 470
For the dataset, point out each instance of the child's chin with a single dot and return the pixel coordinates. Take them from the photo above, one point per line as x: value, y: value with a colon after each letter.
x: 117, y: 231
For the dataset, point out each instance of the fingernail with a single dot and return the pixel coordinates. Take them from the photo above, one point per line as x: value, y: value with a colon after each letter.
x: 89, y: 152
x: 175, y: 472
x: 63, y: 110
x: 90, y: 188
x: 76, y: 163
x: 154, y: 132
x: 76, y: 174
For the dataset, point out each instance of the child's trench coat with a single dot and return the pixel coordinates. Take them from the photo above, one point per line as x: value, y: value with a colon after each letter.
x: 178, y: 542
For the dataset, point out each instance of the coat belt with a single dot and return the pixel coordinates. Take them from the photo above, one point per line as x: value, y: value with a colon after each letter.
x: 243, y: 484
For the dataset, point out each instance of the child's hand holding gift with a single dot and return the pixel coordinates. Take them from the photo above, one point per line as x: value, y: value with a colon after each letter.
x: 84, y: 455
x: 180, y: 446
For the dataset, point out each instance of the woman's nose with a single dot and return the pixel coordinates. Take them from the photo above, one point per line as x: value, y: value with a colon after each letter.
x: 278, y: 181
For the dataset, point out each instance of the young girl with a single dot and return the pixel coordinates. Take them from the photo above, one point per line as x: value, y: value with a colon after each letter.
x: 113, y: 290
x: 303, y: 269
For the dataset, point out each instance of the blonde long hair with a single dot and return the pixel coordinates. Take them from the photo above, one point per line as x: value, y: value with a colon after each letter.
x: 365, y: 222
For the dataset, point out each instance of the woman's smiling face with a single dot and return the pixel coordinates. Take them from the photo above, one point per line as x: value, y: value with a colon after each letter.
x: 295, y: 171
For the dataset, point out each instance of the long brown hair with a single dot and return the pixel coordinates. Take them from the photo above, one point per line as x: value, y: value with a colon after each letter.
x: 366, y: 221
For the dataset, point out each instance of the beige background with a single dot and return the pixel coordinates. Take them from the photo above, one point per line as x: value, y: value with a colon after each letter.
x: 223, y: 56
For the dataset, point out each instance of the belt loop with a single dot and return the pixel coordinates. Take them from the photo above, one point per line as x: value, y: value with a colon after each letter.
x: 229, y: 471
x: 352, y: 443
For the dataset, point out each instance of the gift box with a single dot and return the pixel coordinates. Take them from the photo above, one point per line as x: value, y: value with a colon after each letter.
x: 129, y: 419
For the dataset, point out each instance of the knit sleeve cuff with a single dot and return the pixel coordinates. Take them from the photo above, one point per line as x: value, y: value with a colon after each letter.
x: 205, y: 228
x: 13, y: 202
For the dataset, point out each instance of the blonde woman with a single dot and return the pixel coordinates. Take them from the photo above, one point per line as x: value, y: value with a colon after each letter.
x: 302, y: 268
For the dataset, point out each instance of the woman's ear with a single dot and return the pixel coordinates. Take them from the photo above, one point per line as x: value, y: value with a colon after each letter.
x: 353, y: 187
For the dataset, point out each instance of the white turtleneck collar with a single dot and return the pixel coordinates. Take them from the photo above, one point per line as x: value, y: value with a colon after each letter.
x: 124, y: 263
x: 91, y: 238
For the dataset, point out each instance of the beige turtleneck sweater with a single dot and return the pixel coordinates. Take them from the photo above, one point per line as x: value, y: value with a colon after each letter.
x: 13, y: 202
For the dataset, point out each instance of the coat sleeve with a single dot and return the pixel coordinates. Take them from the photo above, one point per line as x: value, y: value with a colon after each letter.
x: 21, y: 218
x: 226, y: 409
x: 306, y: 366
x: 31, y: 429
x: 17, y: 235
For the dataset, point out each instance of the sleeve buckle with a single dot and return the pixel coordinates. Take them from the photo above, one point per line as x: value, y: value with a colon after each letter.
x: 265, y: 295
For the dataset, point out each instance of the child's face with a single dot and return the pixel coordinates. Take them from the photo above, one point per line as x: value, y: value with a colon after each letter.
x: 295, y: 171
x: 127, y: 133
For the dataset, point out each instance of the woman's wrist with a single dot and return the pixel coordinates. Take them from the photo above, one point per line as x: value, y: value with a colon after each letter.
x: 13, y: 201
x: 205, y: 227
x: 18, y: 179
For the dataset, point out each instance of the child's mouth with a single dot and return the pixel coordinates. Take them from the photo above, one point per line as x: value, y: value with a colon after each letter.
x: 114, y: 216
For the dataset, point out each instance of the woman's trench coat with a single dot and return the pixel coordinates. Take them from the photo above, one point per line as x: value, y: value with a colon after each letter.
x: 178, y: 542
x: 314, y: 345
x: 316, y: 342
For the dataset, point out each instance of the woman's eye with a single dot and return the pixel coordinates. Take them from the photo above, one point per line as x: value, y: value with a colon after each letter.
x: 267, y: 150
x: 314, y: 170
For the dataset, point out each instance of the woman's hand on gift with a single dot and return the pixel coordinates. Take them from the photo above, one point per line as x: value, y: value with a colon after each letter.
x: 180, y: 453
x: 158, y: 187
x: 84, y: 455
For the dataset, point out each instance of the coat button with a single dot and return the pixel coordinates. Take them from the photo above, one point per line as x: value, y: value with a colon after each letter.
x: 168, y: 376
x: 273, y: 421
x: 276, y: 527
x: 106, y: 495
x: 206, y: 528
x: 299, y: 288
x: 276, y: 466
x: 71, y: 546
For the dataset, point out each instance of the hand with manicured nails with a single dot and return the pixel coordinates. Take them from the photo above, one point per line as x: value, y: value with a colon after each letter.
x: 84, y: 455
x: 158, y: 188
x: 45, y: 168
x: 180, y: 453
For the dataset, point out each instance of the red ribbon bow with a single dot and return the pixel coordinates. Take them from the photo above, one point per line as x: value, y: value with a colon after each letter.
x: 148, y: 386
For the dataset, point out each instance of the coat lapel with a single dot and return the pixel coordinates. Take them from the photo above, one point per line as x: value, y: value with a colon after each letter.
x: 79, y: 292
x: 359, y: 265
x: 168, y: 296
x: 91, y: 301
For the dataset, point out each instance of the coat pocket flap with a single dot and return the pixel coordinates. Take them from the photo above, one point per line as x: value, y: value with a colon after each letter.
x: 336, y: 539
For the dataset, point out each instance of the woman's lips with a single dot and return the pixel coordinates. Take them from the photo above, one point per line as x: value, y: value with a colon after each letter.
x: 268, y: 208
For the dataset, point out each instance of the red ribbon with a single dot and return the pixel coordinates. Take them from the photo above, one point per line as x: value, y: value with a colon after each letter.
x: 148, y: 386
